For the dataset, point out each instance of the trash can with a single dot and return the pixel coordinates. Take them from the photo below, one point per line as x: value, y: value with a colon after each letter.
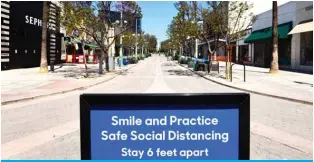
x: 194, y: 64
x: 190, y: 64
x: 125, y: 61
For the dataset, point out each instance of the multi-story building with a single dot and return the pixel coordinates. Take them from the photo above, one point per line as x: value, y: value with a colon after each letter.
x: 21, y: 34
x: 295, y: 33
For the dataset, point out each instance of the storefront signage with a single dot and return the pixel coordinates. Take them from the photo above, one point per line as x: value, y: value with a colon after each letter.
x: 36, y: 22
x: 165, y: 127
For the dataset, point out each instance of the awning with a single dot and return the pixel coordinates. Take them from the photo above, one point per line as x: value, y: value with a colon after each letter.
x: 305, y: 27
x: 92, y: 45
x: 77, y: 40
x: 267, y: 33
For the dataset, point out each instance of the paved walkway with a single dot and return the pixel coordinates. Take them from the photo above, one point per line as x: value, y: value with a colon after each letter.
x: 24, y: 84
x: 48, y: 128
x: 289, y: 85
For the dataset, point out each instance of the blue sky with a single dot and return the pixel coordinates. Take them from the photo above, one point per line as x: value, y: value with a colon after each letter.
x: 157, y: 15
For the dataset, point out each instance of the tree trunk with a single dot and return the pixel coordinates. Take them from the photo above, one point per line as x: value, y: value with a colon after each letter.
x: 43, y: 58
x: 274, y: 67
x: 107, y: 62
x: 85, y: 63
x: 228, y: 64
x: 102, y: 53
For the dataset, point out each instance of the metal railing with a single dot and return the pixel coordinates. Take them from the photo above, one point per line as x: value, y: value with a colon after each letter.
x: 243, y: 73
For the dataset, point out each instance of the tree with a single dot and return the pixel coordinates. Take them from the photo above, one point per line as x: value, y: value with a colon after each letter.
x: 182, y: 27
x: 165, y: 45
x: 94, y: 20
x: 128, y: 40
x: 224, y: 22
x: 141, y: 42
x: 274, y: 67
x: 43, y: 60
x: 152, y: 43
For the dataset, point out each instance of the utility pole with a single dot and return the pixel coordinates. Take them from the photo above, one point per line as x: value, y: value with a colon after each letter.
x: 121, y: 25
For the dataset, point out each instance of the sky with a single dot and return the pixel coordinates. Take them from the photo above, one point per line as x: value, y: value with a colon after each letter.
x: 157, y: 15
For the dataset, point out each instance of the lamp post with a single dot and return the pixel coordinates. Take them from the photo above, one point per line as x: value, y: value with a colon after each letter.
x: 121, y: 36
x: 136, y: 35
x: 136, y: 38
x: 120, y: 52
x: 196, y: 42
x: 121, y: 26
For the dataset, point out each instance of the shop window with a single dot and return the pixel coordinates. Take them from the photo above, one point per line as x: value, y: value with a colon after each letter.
x: 306, y: 49
x: 70, y: 49
x: 80, y: 49
x: 284, y: 52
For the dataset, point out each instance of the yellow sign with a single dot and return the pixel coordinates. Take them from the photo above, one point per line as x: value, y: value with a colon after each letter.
x: 69, y: 58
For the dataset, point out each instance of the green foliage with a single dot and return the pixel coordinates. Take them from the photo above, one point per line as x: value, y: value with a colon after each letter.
x: 218, y: 20
x: 227, y: 19
x: 165, y: 46
x: 128, y: 40
x: 93, y: 19
x: 151, y: 42
x: 175, y: 57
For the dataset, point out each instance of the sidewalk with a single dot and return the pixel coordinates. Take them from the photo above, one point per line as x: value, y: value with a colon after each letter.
x: 26, y: 84
x: 286, y: 85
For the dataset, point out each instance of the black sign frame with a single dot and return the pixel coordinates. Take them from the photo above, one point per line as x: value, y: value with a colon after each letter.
x: 242, y: 100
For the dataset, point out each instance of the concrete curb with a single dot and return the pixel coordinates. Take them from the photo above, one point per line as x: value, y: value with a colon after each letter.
x: 66, y: 91
x: 251, y: 91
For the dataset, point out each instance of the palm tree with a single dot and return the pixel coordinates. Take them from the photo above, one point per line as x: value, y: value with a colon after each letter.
x: 274, y: 67
x: 43, y: 60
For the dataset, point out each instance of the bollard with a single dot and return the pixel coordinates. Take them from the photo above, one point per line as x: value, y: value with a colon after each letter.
x: 231, y: 72
x: 218, y: 67
x: 244, y: 72
x: 52, y: 68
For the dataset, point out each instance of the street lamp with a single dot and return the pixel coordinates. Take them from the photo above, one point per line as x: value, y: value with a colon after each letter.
x: 196, y: 43
x: 121, y: 26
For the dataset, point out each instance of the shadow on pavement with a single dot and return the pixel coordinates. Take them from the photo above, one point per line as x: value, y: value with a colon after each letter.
x: 250, y: 71
x: 181, y: 73
x: 303, y: 83
x: 78, y: 72
x: 216, y: 75
x: 169, y: 64
x: 123, y: 73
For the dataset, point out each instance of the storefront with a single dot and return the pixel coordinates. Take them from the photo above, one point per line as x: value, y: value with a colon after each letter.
x: 262, y: 40
x: 21, y: 31
x: 306, y: 49
x: 242, y: 52
x: 75, y: 50
x: 295, y: 37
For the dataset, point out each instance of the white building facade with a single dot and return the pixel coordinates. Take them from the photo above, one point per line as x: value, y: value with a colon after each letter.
x: 295, y: 49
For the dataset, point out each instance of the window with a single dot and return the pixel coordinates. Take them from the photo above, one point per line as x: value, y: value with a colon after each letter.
x: 70, y: 49
x: 306, y: 48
